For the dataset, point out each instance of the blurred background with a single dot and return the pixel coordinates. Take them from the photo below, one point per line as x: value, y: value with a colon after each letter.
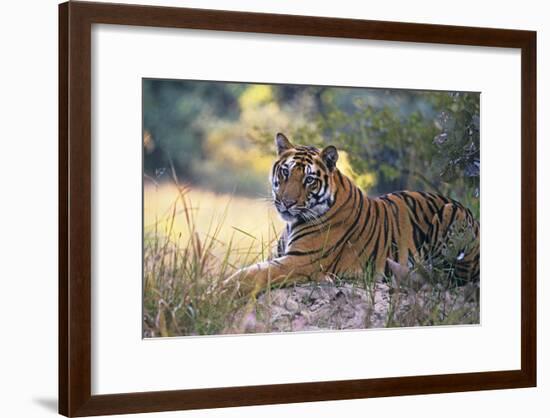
x: 216, y: 138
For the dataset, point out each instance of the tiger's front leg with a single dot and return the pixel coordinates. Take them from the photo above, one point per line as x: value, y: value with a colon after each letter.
x: 280, y: 271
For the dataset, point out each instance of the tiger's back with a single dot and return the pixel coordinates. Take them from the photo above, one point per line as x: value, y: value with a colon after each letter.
x: 398, y: 226
x: 334, y: 228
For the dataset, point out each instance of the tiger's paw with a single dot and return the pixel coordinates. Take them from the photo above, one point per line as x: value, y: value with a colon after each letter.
x: 244, y: 281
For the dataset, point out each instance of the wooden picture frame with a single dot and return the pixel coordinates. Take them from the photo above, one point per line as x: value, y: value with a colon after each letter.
x: 75, y: 183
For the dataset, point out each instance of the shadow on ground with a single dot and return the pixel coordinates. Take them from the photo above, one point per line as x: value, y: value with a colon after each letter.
x: 49, y: 404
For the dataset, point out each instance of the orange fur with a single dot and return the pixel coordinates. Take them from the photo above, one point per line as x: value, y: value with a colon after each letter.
x: 335, y: 229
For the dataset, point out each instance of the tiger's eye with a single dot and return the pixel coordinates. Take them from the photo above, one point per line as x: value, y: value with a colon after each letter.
x: 284, y: 171
x: 310, y: 179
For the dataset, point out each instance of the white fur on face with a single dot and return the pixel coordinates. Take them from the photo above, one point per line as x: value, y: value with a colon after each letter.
x: 316, y: 205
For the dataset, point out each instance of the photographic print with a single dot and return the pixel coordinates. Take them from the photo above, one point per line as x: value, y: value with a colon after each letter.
x: 291, y: 208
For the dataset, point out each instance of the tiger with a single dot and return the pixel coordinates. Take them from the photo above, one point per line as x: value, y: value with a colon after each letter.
x: 333, y: 228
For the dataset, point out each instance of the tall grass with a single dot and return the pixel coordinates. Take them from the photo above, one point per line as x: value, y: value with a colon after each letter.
x: 187, y: 256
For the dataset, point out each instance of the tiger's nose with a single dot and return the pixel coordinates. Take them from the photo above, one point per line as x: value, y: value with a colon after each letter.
x: 288, y: 203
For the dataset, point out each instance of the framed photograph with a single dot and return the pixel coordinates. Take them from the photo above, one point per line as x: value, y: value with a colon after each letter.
x: 259, y: 209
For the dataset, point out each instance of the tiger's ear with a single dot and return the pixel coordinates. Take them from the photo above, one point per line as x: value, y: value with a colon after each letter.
x: 329, y: 155
x: 282, y: 143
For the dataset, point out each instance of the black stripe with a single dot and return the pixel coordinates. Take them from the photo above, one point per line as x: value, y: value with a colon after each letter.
x: 411, y: 203
x: 328, y: 252
x: 348, y: 233
x: 340, y: 177
x: 374, y: 224
x: 396, y: 216
x: 375, y: 252
x: 356, y: 191
x: 419, y: 236
x: 431, y: 204
x: 367, y: 216
x: 324, y: 221
x: 303, y: 253
x: 275, y: 167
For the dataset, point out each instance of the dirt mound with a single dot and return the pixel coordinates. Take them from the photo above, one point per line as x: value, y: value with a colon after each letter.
x: 325, y: 306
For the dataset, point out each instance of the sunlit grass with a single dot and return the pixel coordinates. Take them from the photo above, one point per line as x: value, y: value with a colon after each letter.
x: 193, y: 240
x: 246, y: 222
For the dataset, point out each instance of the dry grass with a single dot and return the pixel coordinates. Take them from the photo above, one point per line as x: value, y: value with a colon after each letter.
x: 247, y: 223
x: 192, y: 241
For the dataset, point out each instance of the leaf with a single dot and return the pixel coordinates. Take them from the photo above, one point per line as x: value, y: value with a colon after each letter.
x: 244, y: 232
x: 472, y: 168
x: 441, y: 138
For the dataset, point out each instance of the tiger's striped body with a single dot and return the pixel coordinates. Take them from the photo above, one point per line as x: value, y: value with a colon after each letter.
x: 333, y: 228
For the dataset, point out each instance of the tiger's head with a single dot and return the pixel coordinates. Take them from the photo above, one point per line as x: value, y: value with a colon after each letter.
x: 302, y: 180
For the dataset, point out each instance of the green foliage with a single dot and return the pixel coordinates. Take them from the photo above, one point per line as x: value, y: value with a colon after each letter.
x: 429, y: 142
x: 176, y: 115
x: 457, y: 141
x: 220, y: 135
x: 382, y: 140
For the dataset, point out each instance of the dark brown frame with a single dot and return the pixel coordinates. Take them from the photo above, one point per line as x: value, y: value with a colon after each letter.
x: 75, y: 22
